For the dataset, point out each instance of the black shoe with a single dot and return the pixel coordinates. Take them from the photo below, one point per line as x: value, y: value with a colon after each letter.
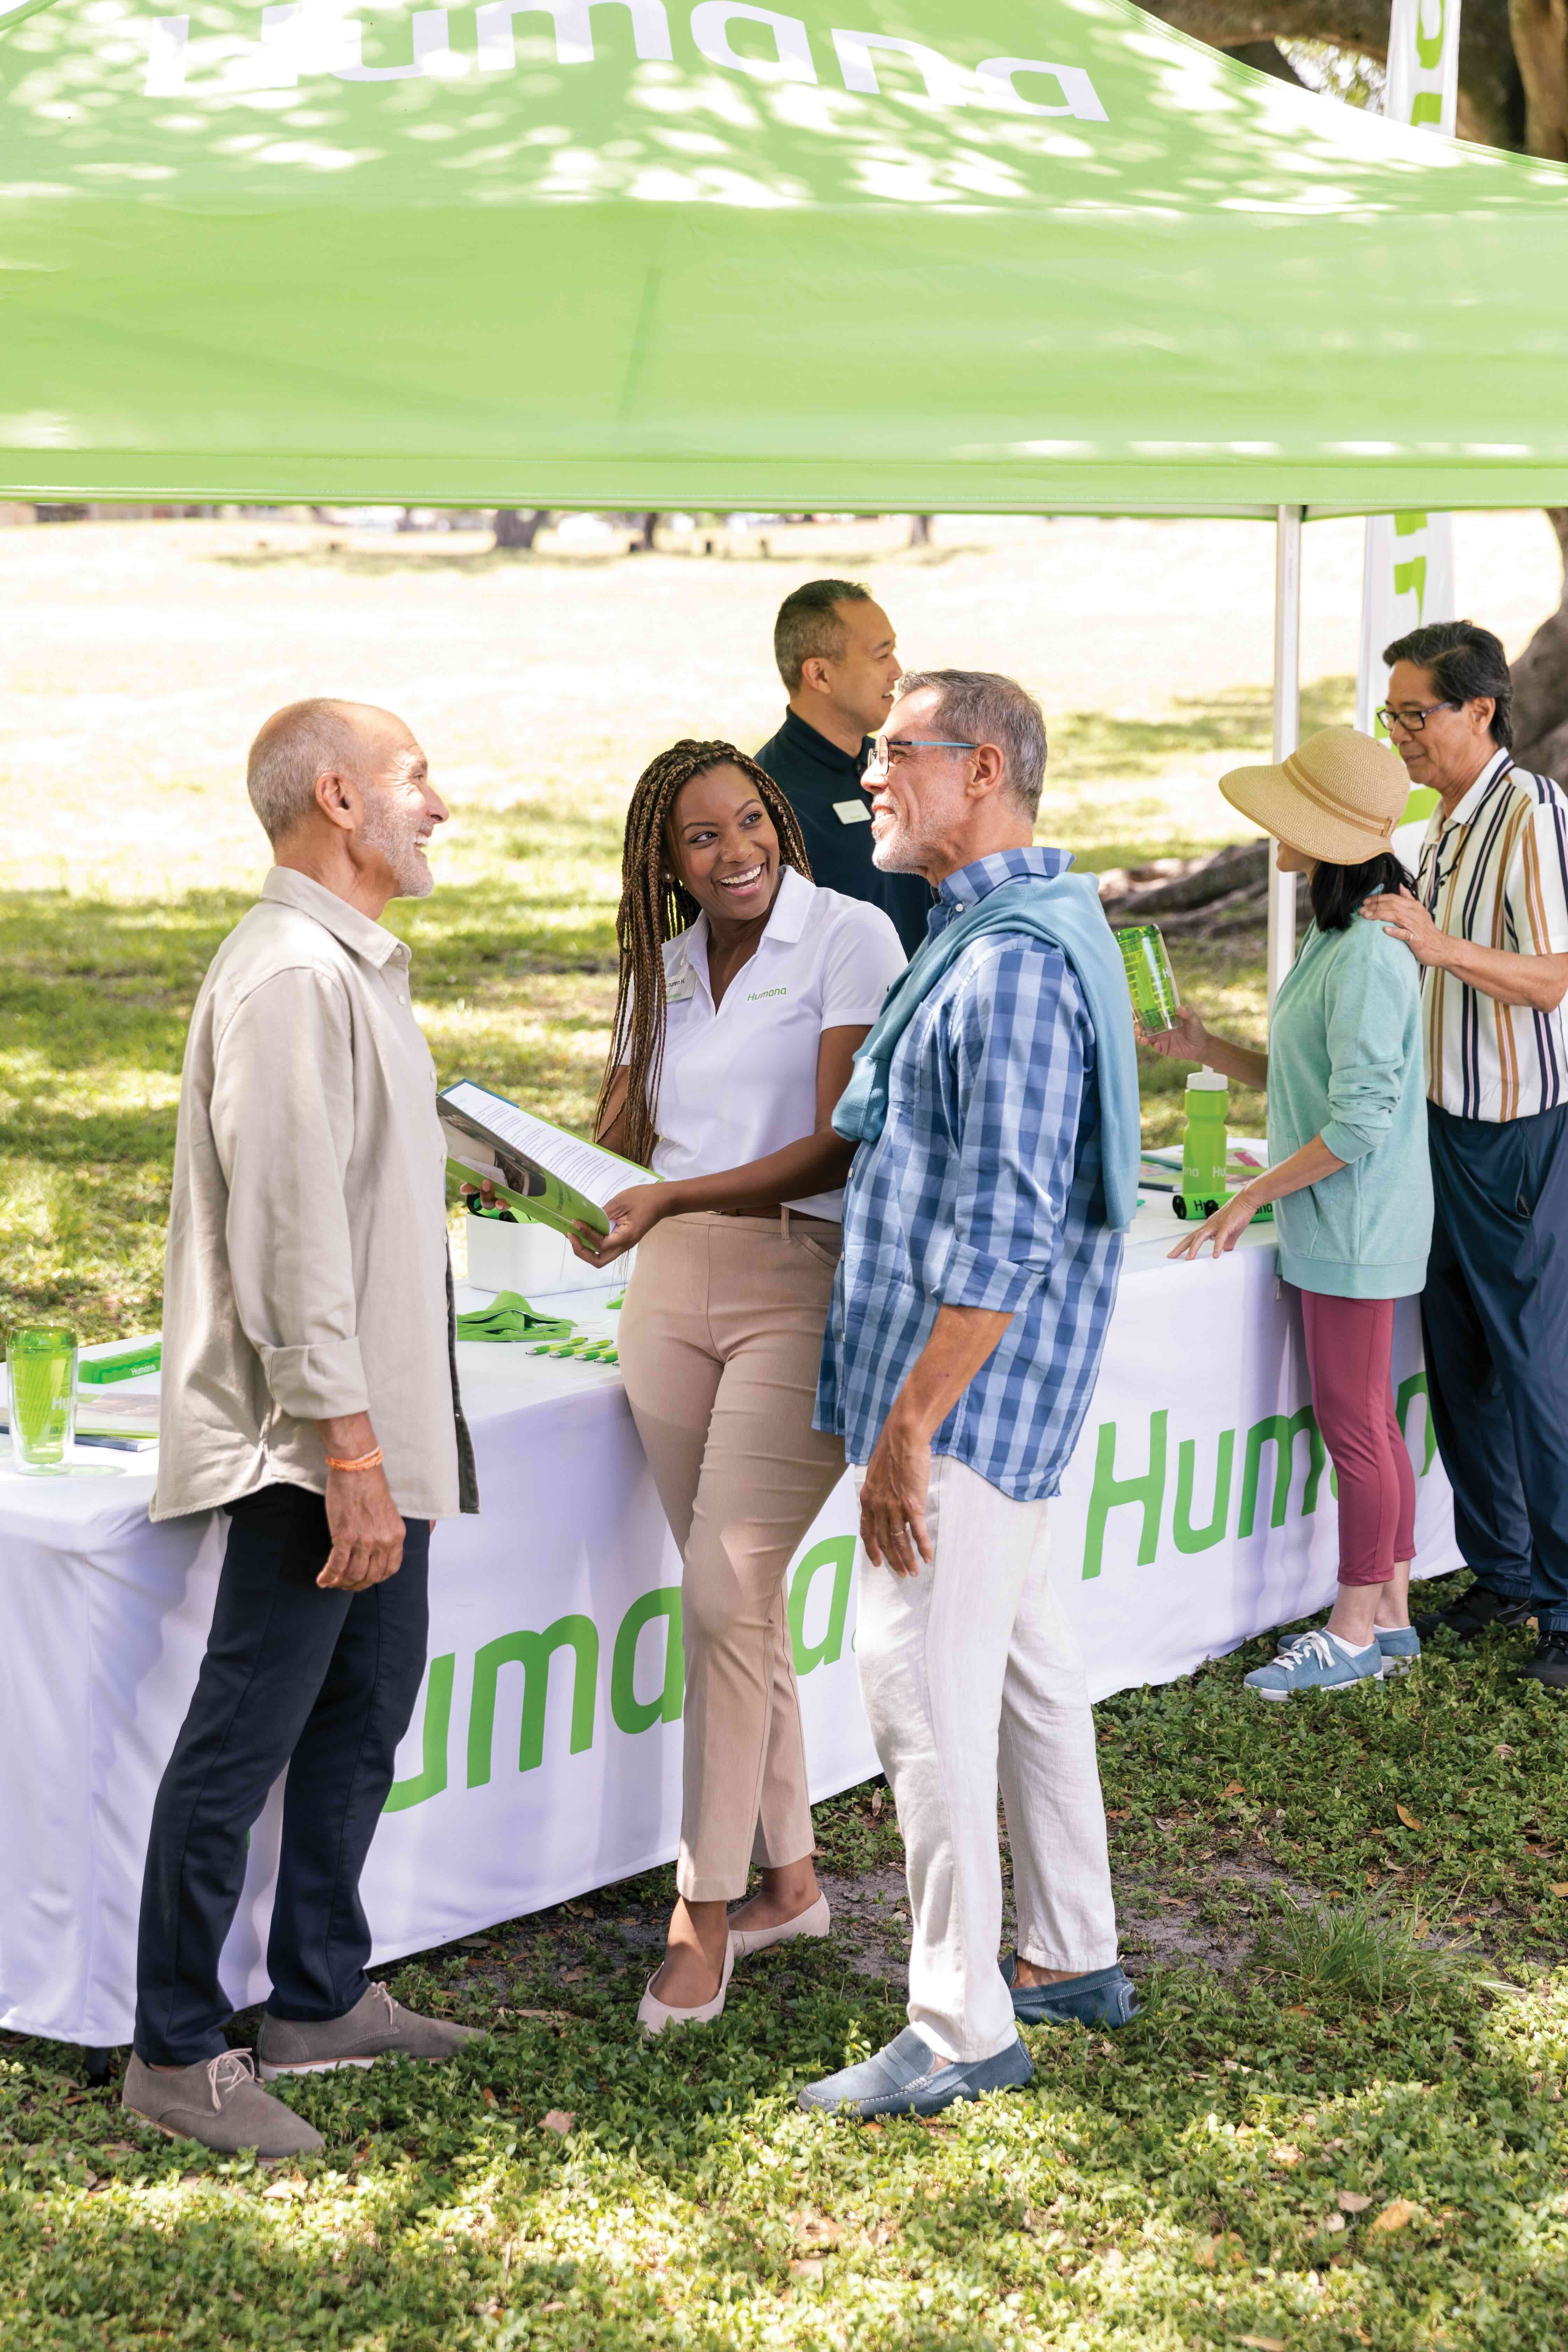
x: 1474, y: 1612
x: 1549, y: 1662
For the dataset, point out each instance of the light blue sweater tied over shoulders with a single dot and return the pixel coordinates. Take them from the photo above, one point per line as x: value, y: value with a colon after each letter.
x: 1065, y: 911
x: 1345, y: 1063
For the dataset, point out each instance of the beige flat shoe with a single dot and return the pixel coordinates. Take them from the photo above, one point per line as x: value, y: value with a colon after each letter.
x: 816, y: 1920
x: 654, y: 2015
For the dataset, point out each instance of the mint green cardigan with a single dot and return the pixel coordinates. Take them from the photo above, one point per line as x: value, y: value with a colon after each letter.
x: 1344, y: 1062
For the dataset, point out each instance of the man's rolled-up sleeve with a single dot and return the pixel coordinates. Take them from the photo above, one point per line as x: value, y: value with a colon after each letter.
x: 1020, y: 1049
x: 282, y: 1123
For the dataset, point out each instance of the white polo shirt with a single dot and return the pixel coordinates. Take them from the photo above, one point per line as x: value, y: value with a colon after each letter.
x: 740, y: 1082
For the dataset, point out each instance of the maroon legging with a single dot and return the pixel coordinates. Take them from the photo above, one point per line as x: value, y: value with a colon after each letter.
x: 1350, y: 1351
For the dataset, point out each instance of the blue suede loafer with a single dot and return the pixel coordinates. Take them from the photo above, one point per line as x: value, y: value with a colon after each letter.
x: 1104, y: 1996
x: 908, y: 2078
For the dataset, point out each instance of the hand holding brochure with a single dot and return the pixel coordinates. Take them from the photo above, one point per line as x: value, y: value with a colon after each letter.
x: 539, y: 1170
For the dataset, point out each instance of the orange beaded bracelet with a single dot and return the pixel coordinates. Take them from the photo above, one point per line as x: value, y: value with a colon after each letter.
x: 364, y: 1462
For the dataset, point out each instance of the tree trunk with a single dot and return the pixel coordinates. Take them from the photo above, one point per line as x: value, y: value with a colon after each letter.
x: 1540, y: 30
x: 1541, y: 682
x: 1494, y: 104
x: 919, y: 530
x: 519, y: 526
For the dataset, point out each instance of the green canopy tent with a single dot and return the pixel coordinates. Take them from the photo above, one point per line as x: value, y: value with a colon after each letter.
x: 1032, y: 254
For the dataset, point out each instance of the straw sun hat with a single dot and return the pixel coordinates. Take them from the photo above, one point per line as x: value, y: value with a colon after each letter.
x: 1337, y: 798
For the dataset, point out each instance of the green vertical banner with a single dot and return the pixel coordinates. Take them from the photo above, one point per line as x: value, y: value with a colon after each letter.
x: 1409, y: 573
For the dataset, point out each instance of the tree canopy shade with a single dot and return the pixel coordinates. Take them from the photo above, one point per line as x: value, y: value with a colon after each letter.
x: 1015, y: 254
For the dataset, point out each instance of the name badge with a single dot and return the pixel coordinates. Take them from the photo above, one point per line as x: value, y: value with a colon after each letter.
x: 680, y: 985
x: 852, y: 812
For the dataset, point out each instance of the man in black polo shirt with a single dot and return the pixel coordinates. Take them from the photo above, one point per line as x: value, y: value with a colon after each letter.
x: 838, y: 659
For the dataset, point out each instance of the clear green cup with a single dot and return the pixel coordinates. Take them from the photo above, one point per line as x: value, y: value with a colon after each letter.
x: 41, y: 1365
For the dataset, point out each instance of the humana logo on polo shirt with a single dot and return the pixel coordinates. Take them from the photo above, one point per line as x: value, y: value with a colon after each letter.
x: 757, y: 994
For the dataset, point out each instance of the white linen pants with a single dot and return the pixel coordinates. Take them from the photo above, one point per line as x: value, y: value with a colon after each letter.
x: 967, y: 1670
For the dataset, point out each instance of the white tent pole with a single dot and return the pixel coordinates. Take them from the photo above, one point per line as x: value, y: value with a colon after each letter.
x: 1287, y: 726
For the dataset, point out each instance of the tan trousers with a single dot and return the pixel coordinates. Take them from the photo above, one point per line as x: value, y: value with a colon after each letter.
x: 719, y: 1341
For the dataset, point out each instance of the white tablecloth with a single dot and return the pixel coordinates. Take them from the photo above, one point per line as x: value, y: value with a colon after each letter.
x: 536, y: 1768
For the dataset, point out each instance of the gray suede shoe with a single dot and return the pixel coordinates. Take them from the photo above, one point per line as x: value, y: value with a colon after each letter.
x: 219, y: 2103
x: 376, y: 2027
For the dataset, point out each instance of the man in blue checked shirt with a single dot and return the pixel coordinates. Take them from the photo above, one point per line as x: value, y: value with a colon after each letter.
x: 996, y: 1104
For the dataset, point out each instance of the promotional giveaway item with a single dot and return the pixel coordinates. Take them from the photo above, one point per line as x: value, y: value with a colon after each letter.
x: 1204, y: 1146
x: 40, y: 1362
x: 1150, y: 979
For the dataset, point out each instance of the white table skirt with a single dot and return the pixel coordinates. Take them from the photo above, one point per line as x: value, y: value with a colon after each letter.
x: 535, y: 1769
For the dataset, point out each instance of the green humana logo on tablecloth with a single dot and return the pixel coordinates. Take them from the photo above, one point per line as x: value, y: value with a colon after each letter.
x: 1118, y: 1488
x: 642, y: 1693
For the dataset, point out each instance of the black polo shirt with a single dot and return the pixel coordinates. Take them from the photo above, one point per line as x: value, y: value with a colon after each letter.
x: 821, y: 784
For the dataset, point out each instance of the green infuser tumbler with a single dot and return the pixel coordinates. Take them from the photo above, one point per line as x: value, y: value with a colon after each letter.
x: 41, y: 1363
x: 1204, y: 1146
x: 1149, y: 976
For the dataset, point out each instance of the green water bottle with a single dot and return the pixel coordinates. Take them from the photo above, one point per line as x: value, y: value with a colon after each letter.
x: 1204, y: 1146
x: 1149, y: 976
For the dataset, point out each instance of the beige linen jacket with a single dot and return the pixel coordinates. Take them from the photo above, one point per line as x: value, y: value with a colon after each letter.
x: 306, y: 1272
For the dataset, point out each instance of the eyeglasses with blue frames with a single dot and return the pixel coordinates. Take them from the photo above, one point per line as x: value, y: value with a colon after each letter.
x: 887, y: 750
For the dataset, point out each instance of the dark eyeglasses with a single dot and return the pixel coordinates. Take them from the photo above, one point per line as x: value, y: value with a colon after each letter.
x: 1413, y: 718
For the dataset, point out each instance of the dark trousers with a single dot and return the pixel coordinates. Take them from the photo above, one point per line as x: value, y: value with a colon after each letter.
x: 323, y: 1682
x: 1494, y: 1314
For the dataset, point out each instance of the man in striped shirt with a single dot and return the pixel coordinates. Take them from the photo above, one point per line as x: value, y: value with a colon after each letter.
x: 1488, y: 925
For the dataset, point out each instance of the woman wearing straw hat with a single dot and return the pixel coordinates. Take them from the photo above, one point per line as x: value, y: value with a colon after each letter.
x: 1348, y: 1174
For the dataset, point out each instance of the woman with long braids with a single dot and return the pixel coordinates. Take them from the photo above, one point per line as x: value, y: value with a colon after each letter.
x: 744, y: 992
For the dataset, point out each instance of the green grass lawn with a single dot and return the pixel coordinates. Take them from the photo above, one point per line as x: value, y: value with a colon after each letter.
x: 1340, y: 2120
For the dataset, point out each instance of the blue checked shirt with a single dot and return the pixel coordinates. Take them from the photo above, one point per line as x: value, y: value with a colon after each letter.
x: 983, y: 1190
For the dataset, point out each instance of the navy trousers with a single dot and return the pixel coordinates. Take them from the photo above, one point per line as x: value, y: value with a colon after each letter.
x: 323, y: 1683
x: 1494, y: 1314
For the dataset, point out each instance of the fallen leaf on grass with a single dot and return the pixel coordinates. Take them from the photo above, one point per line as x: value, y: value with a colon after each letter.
x: 556, y: 2306
x: 1350, y: 2200
x: 1408, y: 1818
x: 559, y: 2119
x: 1372, y: 1875
x: 1393, y: 2216
x: 1557, y: 1887
x: 817, y: 2229
x: 489, y: 2097
x: 1502, y: 1750
x: 1117, y: 1813
x: 1334, y: 2221
x: 1233, y: 1789
x: 1264, y: 2343
x: 1296, y: 2008
x: 572, y: 1976
x: 877, y: 1800
x: 1286, y: 2153
x: 807, y: 2266
x: 1206, y: 2254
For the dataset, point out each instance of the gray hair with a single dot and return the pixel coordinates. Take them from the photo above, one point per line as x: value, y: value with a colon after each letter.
x: 980, y: 706
x: 299, y: 743
x: 808, y: 624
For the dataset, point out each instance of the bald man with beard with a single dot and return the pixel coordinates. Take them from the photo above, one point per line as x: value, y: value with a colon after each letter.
x: 308, y: 1390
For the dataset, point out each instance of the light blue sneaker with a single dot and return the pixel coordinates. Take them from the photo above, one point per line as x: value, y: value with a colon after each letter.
x: 1400, y: 1646
x: 1319, y: 1661
x: 908, y: 2078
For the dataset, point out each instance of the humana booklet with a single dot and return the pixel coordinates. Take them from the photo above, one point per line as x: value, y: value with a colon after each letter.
x: 539, y: 1170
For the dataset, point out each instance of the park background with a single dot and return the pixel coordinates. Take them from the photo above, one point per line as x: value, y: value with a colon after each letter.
x: 138, y: 657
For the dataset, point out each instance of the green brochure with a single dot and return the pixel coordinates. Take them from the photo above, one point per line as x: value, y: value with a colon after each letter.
x: 539, y: 1170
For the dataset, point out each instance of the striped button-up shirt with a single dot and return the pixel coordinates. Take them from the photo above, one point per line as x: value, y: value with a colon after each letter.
x: 983, y: 1190
x: 1496, y: 872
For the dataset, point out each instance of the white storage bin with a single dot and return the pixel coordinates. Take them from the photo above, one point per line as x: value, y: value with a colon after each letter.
x: 534, y: 1259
